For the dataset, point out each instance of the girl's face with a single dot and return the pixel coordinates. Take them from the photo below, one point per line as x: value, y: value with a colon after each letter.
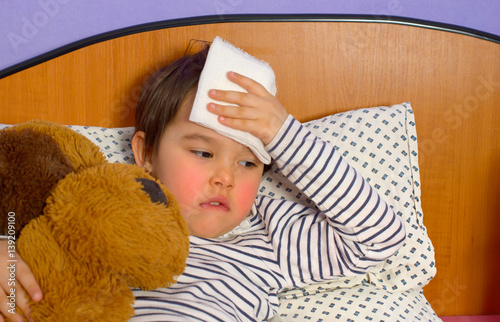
x: 214, y: 179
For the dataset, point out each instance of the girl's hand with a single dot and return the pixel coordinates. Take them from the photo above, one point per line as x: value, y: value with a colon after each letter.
x: 258, y: 112
x: 23, y: 282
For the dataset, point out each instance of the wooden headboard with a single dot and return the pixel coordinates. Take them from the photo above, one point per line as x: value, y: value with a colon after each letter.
x: 452, y: 81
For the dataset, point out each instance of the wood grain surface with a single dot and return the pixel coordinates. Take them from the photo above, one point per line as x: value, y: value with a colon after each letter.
x: 451, y: 80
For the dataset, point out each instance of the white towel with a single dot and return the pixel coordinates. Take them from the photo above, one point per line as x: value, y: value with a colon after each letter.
x: 222, y: 58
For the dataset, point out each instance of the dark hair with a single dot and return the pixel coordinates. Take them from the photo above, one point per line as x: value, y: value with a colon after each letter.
x: 164, y: 93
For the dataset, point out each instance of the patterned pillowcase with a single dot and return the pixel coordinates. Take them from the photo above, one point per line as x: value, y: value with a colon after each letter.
x: 363, y: 302
x: 381, y: 143
x: 115, y: 143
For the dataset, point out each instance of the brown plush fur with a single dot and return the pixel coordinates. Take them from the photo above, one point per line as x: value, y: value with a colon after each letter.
x: 81, y: 152
x: 31, y: 164
x: 99, y: 234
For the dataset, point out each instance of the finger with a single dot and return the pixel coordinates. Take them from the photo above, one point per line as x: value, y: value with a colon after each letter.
x: 4, y: 301
x: 236, y: 112
x: 22, y: 304
x: 237, y: 124
x: 266, y: 134
x: 9, y: 310
x: 238, y: 118
x: 28, y: 282
x: 248, y: 84
x: 13, y: 299
x: 235, y: 97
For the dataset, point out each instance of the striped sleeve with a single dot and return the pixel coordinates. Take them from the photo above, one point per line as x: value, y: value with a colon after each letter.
x: 354, y: 228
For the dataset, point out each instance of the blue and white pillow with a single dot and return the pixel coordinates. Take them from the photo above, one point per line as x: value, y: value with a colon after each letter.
x: 115, y: 143
x: 363, y: 302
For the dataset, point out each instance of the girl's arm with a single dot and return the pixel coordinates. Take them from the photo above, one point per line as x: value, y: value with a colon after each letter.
x: 354, y: 228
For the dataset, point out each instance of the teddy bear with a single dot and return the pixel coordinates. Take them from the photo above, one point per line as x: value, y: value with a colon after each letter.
x: 89, y: 230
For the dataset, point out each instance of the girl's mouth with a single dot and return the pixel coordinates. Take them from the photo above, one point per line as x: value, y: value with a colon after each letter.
x: 216, y: 203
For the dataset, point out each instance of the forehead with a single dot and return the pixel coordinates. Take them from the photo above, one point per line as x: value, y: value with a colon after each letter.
x: 185, y: 107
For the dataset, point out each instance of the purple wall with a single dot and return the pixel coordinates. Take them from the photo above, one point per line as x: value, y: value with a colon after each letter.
x: 31, y: 28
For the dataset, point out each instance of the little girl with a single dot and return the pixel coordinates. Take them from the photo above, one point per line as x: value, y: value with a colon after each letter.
x: 246, y: 248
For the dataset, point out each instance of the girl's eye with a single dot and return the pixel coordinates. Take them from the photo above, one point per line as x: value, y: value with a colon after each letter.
x: 248, y: 164
x: 202, y: 154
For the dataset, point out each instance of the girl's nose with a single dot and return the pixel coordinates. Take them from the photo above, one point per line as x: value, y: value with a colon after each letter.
x: 222, y: 177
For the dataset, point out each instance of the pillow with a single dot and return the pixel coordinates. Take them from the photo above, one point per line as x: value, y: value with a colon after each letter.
x: 363, y: 302
x: 381, y: 143
x: 115, y: 143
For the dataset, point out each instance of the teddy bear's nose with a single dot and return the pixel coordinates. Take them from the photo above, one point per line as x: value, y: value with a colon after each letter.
x: 153, y: 190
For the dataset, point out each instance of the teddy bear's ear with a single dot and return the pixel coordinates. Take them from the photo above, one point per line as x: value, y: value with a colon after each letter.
x: 31, y: 164
x: 78, y: 149
x: 154, y: 191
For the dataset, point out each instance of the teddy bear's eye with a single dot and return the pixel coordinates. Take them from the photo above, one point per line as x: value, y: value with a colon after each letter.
x: 153, y: 190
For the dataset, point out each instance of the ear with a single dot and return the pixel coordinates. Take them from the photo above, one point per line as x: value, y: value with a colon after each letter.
x: 142, y: 158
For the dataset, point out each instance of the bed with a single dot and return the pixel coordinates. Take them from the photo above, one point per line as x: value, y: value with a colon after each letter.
x: 413, y: 106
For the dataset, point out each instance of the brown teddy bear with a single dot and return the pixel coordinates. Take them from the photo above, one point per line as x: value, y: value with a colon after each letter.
x: 89, y: 230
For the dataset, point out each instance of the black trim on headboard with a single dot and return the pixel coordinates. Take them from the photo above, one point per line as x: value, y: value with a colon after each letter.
x: 201, y: 20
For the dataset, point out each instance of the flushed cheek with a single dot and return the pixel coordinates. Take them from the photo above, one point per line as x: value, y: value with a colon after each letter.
x: 246, y: 195
x: 178, y: 176
x: 185, y: 186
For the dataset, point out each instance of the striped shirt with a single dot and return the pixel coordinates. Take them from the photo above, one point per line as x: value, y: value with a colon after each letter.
x: 284, y: 244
